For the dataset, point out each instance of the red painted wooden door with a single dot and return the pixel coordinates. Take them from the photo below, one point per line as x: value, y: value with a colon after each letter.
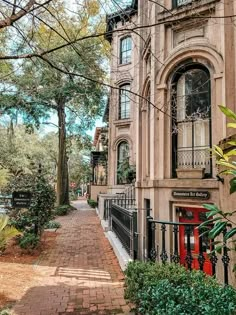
x: 194, y: 215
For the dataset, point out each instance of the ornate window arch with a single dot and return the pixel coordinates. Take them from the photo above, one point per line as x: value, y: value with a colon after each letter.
x: 191, y: 118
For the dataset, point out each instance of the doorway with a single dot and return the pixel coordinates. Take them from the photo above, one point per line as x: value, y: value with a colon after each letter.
x: 194, y: 215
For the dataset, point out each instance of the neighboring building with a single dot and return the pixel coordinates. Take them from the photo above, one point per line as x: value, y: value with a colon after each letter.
x: 122, y: 104
x: 98, y: 183
x: 182, y: 66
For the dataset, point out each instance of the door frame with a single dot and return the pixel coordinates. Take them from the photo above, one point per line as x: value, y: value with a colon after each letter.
x: 176, y: 218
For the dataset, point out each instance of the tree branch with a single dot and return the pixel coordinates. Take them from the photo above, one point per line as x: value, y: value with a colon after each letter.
x: 15, y: 17
x: 95, y: 35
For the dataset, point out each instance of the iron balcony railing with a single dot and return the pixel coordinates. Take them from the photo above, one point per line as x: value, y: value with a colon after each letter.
x: 124, y: 225
x: 168, y: 247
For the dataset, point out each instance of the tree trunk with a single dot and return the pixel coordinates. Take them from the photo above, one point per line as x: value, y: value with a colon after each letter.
x: 62, y: 168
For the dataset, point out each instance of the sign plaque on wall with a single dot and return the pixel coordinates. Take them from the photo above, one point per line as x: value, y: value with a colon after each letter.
x: 21, y: 199
x: 191, y: 194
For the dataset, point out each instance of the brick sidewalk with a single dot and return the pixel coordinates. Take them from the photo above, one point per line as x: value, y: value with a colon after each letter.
x: 80, y: 275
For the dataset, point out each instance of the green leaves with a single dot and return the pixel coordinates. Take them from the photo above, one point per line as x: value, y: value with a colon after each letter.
x: 232, y: 185
x: 230, y: 234
x: 172, y: 290
x: 228, y: 112
x: 7, y: 232
x: 217, y: 229
x: 213, y: 210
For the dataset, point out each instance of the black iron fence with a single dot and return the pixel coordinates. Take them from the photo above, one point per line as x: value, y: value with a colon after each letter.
x: 124, y: 225
x: 176, y: 243
x: 122, y: 219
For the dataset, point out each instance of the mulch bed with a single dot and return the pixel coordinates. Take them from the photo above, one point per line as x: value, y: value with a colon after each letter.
x: 15, y: 255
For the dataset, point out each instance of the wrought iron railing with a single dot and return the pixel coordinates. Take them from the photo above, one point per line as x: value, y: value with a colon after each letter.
x: 122, y: 219
x: 129, y: 192
x: 168, y: 246
x: 196, y: 157
x: 124, y: 225
x: 120, y: 200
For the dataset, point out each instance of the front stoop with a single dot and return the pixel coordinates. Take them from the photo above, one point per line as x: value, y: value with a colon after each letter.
x: 121, y: 254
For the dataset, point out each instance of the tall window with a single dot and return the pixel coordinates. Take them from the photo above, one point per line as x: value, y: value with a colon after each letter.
x: 124, y: 102
x: 148, y: 140
x: 125, y: 50
x: 191, y: 120
x: 122, y: 160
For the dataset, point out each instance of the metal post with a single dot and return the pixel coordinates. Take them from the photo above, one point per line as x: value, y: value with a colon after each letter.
x: 153, y: 252
x: 163, y: 255
x: 225, y: 259
x: 188, y: 257
x: 201, y: 258
x: 175, y: 257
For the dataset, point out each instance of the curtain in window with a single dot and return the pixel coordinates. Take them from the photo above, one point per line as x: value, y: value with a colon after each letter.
x: 193, y: 119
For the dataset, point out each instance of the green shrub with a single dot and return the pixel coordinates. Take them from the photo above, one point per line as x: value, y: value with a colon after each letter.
x: 73, y: 196
x: 52, y: 225
x: 29, y: 241
x: 62, y: 210
x: 32, y: 220
x: 172, y: 290
x: 92, y: 203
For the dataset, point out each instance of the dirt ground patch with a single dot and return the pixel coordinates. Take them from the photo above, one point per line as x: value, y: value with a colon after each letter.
x: 17, y: 269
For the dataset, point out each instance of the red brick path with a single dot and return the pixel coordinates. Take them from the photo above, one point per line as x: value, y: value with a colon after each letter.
x: 80, y: 275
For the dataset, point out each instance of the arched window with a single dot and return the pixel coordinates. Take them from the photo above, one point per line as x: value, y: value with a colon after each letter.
x: 191, y: 108
x: 125, y: 50
x: 122, y: 160
x: 124, y: 102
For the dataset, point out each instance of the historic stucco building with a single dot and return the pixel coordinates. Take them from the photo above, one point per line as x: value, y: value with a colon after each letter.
x: 178, y: 60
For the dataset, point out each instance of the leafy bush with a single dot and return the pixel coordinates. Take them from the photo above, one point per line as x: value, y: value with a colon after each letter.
x: 62, y: 210
x: 200, y: 299
x: 172, y: 290
x: 29, y: 241
x: 33, y: 219
x: 73, y: 196
x: 225, y: 158
x: 52, y: 225
x: 92, y: 203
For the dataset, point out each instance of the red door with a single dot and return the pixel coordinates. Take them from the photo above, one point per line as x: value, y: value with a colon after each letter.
x: 194, y: 215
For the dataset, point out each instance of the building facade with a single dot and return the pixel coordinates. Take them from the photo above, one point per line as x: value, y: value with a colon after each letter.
x: 181, y: 67
x: 122, y: 104
x: 98, y: 182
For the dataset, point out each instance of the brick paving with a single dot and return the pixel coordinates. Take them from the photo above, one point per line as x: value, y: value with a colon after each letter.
x: 79, y: 275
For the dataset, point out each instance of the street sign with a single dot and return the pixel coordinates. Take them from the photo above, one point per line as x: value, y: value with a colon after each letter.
x: 21, y: 199
x: 191, y: 194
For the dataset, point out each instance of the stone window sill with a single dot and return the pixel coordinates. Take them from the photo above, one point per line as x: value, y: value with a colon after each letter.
x: 122, y: 122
